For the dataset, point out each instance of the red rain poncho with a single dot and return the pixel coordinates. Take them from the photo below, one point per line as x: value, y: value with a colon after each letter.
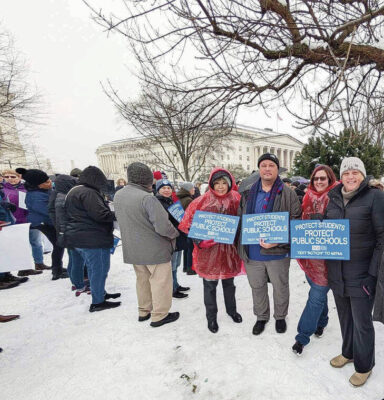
x: 220, y: 261
x: 315, y: 203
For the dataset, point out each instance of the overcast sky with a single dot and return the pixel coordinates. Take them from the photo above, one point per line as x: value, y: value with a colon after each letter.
x: 68, y: 55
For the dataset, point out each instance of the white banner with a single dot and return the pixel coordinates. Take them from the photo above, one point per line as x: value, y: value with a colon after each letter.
x: 15, y: 250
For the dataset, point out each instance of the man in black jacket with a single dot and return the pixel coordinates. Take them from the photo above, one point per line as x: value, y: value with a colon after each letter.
x: 353, y: 282
x: 89, y: 230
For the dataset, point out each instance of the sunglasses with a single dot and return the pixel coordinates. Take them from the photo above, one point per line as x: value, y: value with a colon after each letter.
x: 320, y: 178
x: 9, y: 176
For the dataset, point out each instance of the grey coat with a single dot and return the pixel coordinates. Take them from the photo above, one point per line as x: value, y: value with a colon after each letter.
x: 147, y: 235
x: 287, y: 200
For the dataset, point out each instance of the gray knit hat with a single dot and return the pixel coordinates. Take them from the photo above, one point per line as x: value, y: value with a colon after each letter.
x: 349, y: 163
x: 140, y: 174
x: 186, y: 185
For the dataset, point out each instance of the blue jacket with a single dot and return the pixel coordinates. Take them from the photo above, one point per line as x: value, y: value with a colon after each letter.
x: 36, y: 201
x: 5, y: 209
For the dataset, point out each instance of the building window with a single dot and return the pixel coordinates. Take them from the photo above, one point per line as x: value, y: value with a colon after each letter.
x: 227, y: 156
x: 239, y: 148
x: 247, y: 158
x: 248, y: 167
x: 240, y: 157
x: 222, y: 158
x: 248, y: 149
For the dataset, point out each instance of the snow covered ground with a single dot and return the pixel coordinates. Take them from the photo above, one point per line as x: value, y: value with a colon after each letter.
x: 57, y: 350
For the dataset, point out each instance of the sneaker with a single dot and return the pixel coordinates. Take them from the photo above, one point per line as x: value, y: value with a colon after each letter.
x: 105, y: 305
x: 108, y: 296
x: 259, y: 327
x: 319, y: 332
x: 213, y: 326
x: 171, y: 317
x: 236, y: 317
x: 85, y: 289
x: 281, y: 326
x: 41, y: 267
x: 297, y: 348
x: 358, y: 378
x: 339, y: 361
x: 183, y: 289
x: 27, y: 272
x: 144, y: 318
x: 179, y: 295
x: 73, y: 287
x: 7, y: 318
x: 8, y: 285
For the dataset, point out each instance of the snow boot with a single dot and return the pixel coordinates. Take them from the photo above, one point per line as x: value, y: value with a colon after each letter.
x: 105, y: 305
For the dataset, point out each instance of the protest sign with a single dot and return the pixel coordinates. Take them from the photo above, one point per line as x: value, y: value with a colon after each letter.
x: 15, y: 250
x: 324, y: 240
x: 272, y: 227
x: 22, y: 200
x: 219, y: 227
x: 177, y: 211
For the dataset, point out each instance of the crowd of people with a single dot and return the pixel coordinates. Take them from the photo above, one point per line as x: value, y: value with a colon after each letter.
x: 76, y: 215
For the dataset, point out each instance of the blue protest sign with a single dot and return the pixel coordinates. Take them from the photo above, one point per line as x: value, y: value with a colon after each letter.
x: 177, y: 211
x: 272, y: 227
x: 324, y: 240
x: 220, y: 227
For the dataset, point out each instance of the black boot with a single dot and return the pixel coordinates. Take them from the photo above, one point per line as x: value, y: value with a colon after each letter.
x: 105, y: 305
x: 213, y: 326
x: 258, y: 327
x: 236, y: 317
x: 10, y: 278
x: 281, y: 326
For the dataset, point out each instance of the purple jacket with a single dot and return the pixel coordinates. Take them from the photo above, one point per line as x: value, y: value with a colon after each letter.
x: 12, y: 192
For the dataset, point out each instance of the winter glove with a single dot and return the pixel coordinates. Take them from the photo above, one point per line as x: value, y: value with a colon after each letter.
x: 316, y: 216
x: 369, y: 285
x: 207, y: 244
x: 9, y: 206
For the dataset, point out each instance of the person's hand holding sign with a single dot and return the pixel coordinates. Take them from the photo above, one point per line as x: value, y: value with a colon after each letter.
x: 267, y: 245
x: 207, y: 244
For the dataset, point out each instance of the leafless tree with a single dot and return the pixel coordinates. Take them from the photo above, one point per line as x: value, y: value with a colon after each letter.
x: 181, y: 132
x: 19, y: 103
x: 262, y: 52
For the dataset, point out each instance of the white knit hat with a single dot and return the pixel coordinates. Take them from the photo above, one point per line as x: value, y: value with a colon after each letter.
x: 349, y: 163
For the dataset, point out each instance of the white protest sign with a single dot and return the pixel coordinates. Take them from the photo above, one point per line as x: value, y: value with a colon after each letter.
x: 22, y: 200
x: 15, y: 250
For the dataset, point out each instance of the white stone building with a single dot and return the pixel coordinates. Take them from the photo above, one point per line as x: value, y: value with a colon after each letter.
x: 243, y: 148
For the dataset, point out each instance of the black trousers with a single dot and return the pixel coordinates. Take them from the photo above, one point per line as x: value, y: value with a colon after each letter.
x: 187, y: 254
x: 358, y: 333
x: 210, y: 302
x: 57, y: 253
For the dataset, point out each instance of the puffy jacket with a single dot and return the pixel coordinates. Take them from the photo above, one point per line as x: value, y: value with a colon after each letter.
x: 36, y: 201
x: 220, y: 261
x: 90, y: 221
x: 365, y: 212
x: 12, y: 193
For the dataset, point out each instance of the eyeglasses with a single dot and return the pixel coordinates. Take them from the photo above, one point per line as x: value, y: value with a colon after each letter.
x: 320, y: 178
x: 9, y: 176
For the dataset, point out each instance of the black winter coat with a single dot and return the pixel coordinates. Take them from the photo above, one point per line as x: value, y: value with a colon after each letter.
x: 181, y: 240
x: 365, y: 212
x: 90, y: 221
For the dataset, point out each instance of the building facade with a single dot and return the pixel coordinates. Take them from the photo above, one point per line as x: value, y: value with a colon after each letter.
x: 242, y: 149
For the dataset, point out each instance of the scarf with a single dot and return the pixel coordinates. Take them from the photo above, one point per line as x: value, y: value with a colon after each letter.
x: 277, y: 188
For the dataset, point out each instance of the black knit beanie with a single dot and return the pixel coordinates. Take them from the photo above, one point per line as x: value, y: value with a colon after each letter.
x: 34, y: 177
x: 221, y: 174
x: 270, y: 157
x: 140, y: 174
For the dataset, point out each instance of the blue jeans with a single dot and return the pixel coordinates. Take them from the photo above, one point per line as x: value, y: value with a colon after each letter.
x: 76, y: 268
x: 315, y: 314
x: 37, y: 246
x: 176, y: 260
x: 98, y: 263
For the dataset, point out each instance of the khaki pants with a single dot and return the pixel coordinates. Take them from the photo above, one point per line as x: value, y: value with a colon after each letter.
x: 278, y: 273
x: 154, y: 290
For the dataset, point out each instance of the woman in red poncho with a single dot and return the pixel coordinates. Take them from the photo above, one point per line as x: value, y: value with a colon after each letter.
x: 315, y: 315
x: 213, y: 261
